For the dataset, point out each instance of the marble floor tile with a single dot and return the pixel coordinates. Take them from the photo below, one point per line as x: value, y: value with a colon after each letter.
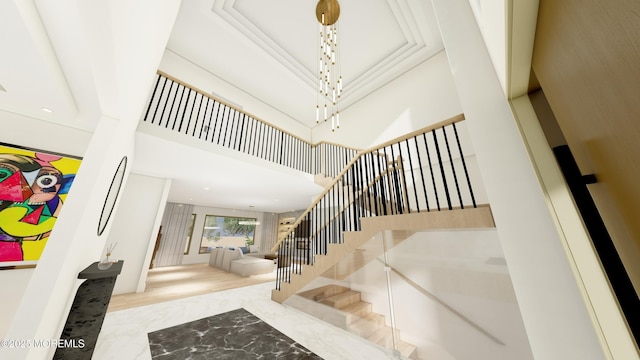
x: 124, y: 332
x: 237, y: 334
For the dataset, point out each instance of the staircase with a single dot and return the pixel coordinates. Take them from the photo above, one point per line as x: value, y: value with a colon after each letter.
x: 402, y: 224
x: 344, y: 308
x: 412, y: 183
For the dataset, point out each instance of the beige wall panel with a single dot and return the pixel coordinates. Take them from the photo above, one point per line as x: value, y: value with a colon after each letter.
x: 587, y: 60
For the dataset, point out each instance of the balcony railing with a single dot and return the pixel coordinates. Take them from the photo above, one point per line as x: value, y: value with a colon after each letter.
x: 419, y: 172
x: 179, y: 107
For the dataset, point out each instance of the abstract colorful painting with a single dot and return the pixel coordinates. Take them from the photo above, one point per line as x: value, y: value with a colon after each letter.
x: 33, y: 188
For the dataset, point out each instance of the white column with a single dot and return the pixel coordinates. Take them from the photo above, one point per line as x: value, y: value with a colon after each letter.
x: 553, y: 311
x: 125, y: 41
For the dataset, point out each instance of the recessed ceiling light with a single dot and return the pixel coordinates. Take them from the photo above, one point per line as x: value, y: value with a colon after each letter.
x: 207, y: 189
x: 252, y: 206
x: 47, y: 110
x: 2, y: 88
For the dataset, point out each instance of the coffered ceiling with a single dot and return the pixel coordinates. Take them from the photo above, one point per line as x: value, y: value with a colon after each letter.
x: 266, y: 49
x: 269, y: 49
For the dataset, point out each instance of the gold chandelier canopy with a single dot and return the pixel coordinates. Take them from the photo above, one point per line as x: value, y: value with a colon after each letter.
x: 327, y: 12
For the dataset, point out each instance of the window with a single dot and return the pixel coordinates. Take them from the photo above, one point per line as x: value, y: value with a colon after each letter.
x: 187, y: 242
x: 227, y: 231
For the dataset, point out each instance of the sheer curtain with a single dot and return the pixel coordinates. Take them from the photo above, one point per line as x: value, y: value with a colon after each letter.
x: 269, y: 232
x: 175, y: 229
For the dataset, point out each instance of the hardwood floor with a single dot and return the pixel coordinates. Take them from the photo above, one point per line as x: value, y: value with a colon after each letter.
x: 177, y: 282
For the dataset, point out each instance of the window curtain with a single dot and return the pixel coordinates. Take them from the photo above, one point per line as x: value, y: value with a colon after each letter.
x: 269, y: 232
x: 175, y: 229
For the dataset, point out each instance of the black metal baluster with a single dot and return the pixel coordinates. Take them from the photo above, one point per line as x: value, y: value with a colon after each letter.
x: 403, y: 176
x: 424, y: 186
x: 444, y: 179
x: 161, y: 99
x: 246, y: 147
x: 464, y: 166
x: 272, y: 144
x: 386, y: 189
x: 204, y: 118
x: 215, y: 119
x: 240, y: 133
x: 267, y: 142
x: 184, y: 109
x: 195, y: 126
x: 453, y: 170
x: 374, y: 185
x: 172, y: 104
x: 222, y: 120
x: 175, y: 118
x: 394, y: 182
x: 365, y: 191
x: 153, y: 95
x: 433, y: 178
x: 228, y: 138
x: 286, y: 145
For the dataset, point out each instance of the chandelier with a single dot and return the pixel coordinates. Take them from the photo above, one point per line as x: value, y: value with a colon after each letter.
x: 329, y: 78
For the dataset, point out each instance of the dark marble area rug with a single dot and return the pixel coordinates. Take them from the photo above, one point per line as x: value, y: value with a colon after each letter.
x: 236, y: 334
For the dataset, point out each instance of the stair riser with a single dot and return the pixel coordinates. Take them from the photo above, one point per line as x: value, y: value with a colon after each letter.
x: 342, y: 301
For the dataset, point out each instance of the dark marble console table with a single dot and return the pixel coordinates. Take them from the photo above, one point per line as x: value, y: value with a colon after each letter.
x: 87, y: 313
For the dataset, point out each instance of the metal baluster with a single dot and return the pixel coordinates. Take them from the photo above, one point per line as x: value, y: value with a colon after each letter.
x: 184, y: 110
x: 403, y: 176
x: 464, y: 166
x: 232, y: 119
x: 444, y: 179
x: 222, y: 119
x: 195, y: 126
x: 453, y: 170
x: 204, y: 118
x: 175, y: 119
x: 424, y: 186
x: 394, y: 182
x: 155, y: 90
x: 433, y: 178
x: 172, y: 103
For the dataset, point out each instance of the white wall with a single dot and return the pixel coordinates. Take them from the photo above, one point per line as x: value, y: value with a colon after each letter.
x: 205, y: 81
x: 126, y: 51
x: 133, y: 228
x: 422, y: 96
x: 14, y: 282
x: 43, y: 135
x: 551, y: 305
x: 193, y: 257
x: 466, y: 271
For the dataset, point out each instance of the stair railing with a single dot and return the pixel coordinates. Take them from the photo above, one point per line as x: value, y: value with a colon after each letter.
x: 182, y: 108
x: 418, y: 172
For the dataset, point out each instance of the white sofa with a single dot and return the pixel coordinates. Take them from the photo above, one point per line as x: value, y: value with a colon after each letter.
x: 233, y: 260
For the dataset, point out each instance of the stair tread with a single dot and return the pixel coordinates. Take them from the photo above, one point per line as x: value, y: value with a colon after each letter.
x: 356, y: 307
x: 323, y: 291
x: 347, y: 296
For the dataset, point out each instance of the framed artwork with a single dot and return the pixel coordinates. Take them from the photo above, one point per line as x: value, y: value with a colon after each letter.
x: 33, y: 187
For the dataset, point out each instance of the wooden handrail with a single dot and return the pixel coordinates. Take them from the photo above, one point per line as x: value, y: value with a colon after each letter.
x: 236, y: 108
x: 449, y: 121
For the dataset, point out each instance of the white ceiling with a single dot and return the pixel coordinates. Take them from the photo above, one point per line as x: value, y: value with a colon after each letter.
x: 269, y: 48
x: 265, y: 48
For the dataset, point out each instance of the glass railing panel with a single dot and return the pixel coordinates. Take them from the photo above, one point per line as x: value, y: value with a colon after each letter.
x: 354, y: 295
x: 452, y: 295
